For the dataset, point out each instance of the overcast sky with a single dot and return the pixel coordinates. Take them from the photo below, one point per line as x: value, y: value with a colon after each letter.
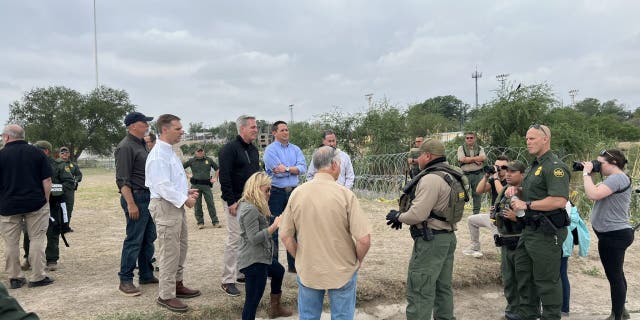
x: 211, y: 61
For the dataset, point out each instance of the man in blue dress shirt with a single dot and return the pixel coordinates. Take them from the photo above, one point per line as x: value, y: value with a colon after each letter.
x: 284, y: 163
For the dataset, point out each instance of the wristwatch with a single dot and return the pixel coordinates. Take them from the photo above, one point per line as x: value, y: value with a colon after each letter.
x: 585, y: 174
x: 528, y: 205
x: 286, y: 169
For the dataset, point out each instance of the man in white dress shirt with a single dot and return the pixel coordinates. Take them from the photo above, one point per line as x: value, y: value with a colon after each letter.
x: 165, y: 178
x: 347, y: 176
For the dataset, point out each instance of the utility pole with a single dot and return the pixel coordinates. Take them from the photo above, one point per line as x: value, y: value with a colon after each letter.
x: 502, y: 78
x: 476, y: 75
x: 369, y: 97
x: 573, y: 93
x: 291, y: 113
x: 95, y: 43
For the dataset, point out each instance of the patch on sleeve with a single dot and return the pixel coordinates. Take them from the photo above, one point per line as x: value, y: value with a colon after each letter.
x: 558, y: 173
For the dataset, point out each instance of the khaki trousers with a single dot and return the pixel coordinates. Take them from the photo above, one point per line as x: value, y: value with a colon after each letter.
x: 232, y: 248
x: 36, y: 223
x: 171, y: 227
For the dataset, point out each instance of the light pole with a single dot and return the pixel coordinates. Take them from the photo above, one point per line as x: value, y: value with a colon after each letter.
x: 291, y: 113
x: 369, y: 97
x: 476, y: 75
x: 502, y: 78
x: 573, y: 93
x: 95, y: 42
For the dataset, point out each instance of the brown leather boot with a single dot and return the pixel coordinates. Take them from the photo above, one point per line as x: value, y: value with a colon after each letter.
x: 184, y: 292
x: 174, y: 304
x: 277, y: 310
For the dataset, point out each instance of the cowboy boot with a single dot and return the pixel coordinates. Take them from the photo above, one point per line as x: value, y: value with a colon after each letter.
x: 277, y: 310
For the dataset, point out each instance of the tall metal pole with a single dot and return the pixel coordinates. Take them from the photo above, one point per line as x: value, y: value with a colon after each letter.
x: 95, y: 42
x: 369, y: 97
x: 291, y: 113
x: 502, y: 78
x: 475, y: 75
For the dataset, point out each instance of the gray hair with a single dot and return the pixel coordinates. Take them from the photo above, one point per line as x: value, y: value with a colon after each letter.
x: 324, y: 156
x: 243, y: 121
x: 14, y: 131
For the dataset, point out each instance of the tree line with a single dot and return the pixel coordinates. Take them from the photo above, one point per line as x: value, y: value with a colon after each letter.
x: 93, y: 121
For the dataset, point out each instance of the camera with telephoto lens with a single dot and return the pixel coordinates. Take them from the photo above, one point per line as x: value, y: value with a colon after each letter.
x: 577, y: 166
x: 489, y: 169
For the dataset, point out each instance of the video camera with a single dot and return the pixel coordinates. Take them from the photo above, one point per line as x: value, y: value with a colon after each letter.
x: 577, y: 166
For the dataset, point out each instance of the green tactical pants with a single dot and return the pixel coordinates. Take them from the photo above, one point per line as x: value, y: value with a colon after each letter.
x: 10, y: 309
x: 204, y: 191
x: 537, y: 263
x: 69, y: 200
x: 510, y: 280
x: 429, y: 278
x: 474, y: 179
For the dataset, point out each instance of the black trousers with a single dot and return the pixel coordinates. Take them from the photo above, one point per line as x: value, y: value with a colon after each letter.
x: 611, y: 247
x: 256, y: 280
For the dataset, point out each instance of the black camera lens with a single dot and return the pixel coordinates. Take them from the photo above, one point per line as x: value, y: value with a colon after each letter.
x: 577, y: 166
x: 489, y: 169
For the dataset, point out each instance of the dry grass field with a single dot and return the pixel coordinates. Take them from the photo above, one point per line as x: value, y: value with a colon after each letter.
x: 86, y: 282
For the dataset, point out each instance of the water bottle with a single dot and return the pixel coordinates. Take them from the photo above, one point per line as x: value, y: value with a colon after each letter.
x: 519, y: 213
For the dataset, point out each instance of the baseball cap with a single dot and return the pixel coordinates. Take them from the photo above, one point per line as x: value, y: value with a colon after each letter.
x: 42, y: 144
x: 134, y: 117
x: 516, y: 166
x: 63, y: 149
x: 433, y: 146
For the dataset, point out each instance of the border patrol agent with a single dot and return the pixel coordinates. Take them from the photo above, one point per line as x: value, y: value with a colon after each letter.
x: 74, y: 170
x: 509, y: 232
x: 431, y: 266
x: 545, y: 191
x: 471, y: 157
x: 202, y: 180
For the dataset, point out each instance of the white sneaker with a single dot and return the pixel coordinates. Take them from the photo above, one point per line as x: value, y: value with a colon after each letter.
x: 473, y: 253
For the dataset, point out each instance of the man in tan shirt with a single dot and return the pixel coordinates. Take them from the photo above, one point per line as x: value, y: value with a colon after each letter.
x: 471, y: 157
x: 316, y: 210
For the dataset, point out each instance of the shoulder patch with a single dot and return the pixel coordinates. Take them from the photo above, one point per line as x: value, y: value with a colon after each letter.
x: 558, y: 173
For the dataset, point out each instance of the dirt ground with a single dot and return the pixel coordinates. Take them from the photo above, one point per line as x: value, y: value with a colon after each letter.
x: 86, y: 283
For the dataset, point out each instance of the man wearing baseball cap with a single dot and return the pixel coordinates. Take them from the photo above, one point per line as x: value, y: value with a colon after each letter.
x: 74, y: 170
x: 131, y: 156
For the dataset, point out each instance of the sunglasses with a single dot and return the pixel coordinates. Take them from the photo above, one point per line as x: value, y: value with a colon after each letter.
x: 469, y: 138
x: 605, y: 152
x: 539, y: 127
x: 61, y: 152
x: 503, y: 167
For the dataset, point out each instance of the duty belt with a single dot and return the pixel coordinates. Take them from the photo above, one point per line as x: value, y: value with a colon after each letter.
x: 473, y: 172
x: 285, y: 189
x: 417, y: 232
x: 200, y: 181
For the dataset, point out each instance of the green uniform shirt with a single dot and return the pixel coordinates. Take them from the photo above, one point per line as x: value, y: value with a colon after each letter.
x: 504, y: 225
x: 73, y: 169
x: 60, y: 175
x: 547, y: 176
x: 201, y: 168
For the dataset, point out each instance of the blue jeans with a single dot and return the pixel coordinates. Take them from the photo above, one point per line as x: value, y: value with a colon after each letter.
x: 256, y: 280
x: 138, y: 245
x: 277, y: 202
x: 342, y: 301
x: 566, y: 287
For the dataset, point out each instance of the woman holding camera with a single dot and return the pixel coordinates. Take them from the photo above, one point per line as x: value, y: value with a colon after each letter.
x: 255, y: 258
x: 610, y: 221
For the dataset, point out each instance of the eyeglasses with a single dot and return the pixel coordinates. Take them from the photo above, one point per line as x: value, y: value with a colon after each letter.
x: 503, y: 167
x: 605, y: 152
x: 469, y: 138
x: 539, y: 127
x: 62, y: 152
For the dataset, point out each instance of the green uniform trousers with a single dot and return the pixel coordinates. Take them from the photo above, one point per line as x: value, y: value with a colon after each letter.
x: 537, y: 263
x: 204, y: 191
x: 510, y: 280
x: 474, y: 179
x: 429, y: 278
x: 10, y: 309
x: 69, y: 198
x: 52, y: 252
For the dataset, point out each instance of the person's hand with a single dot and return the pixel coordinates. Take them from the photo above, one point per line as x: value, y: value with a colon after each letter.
x: 509, y: 214
x: 134, y: 212
x: 511, y: 191
x: 193, y: 192
x: 518, y: 205
x: 232, y: 209
x: 392, y: 219
x: 280, y: 168
x: 191, y: 201
x: 588, y: 167
x: 213, y: 180
x: 189, y: 175
x: 274, y: 225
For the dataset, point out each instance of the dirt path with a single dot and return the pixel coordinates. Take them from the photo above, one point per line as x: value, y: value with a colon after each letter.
x: 86, y: 283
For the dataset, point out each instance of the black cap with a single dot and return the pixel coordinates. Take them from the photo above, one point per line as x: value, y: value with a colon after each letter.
x: 516, y: 166
x: 134, y: 117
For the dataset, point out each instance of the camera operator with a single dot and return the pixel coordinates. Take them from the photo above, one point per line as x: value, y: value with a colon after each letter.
x: 610, y: 221
x: 471, y: 156
x: 493, y: 181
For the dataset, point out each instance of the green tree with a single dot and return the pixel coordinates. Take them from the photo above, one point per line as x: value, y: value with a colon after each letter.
x: 63, y: 116
x: 588, y: 106
x: 437, y: 114
x: 382, y: 130
x: 344, y: 126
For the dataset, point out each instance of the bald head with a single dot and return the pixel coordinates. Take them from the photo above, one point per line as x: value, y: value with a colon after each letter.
x: 538, y: 139
x: 13, y: 132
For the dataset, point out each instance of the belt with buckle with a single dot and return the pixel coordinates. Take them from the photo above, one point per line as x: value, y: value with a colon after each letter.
x: 285, y: 189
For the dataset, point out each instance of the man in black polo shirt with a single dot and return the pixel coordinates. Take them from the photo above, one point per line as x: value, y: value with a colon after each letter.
x: 131, y: 156
x: 25, y: 184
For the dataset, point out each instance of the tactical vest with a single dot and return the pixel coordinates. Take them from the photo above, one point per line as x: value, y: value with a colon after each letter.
x: 504, y: 225
x: 457, y: 197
